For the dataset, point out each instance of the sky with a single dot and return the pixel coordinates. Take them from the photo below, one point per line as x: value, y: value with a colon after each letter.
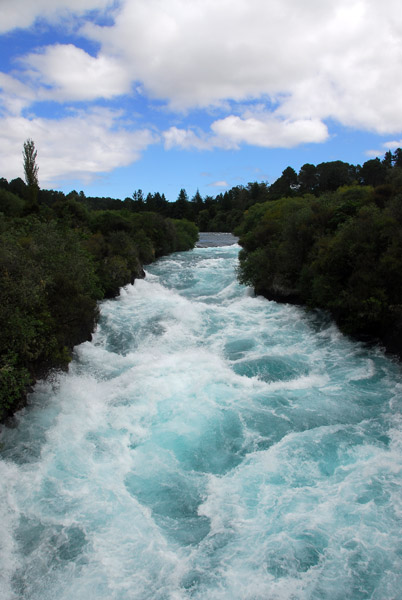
x: 159, y: 95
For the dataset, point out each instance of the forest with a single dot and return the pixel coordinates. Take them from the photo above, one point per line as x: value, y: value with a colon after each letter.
x: 328, y: 237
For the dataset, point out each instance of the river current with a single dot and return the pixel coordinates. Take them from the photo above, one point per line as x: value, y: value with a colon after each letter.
x: 206, y: 445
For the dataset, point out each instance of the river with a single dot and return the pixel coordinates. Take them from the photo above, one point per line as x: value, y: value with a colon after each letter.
x: 206, y: 445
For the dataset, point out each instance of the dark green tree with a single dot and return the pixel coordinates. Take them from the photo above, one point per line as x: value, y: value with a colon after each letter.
x: 397, y: 158
x: 373, y: 172
x: 334, y: 174
x: 30, y: 167
x: 387, y: 160
x: 18, y: 186
x: 138, y: 198
x: 181, y: 205
x: 197, y: 201
x: 285, y: 186
x: 31, y: 173
x: 308, y: 179
x: 196, y: 206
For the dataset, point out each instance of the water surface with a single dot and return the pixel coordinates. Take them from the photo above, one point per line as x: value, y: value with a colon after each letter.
x: 206, y: 445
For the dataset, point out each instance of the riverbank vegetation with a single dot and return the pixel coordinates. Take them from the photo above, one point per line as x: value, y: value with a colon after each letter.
x: 57, y: 260
x: 337, y: 249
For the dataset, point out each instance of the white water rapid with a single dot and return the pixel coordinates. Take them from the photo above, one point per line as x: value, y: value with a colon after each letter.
x: 206, y: 445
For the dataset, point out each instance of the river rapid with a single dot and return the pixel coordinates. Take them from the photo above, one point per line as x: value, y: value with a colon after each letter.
x: 206, y: 445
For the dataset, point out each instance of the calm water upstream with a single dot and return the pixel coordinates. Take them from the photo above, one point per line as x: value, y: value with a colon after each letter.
x: 206, y: 445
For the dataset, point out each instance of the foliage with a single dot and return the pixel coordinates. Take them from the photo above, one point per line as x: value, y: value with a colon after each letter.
x: 186, y: 234
x: 10, y: 204
x: 31, y: 172
x: 224, y: 212
x: 30, y: 167
x: 57, y: 260
x: 341, y: 251
x: 48, y: 294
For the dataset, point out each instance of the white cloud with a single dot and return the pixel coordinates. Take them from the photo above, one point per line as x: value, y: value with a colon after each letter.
x: 392, y: 145
x: 219, y: 184
x: 303, y: 62
x: 186, y: 139
x: 14, y: 95
x: 316, y: 59
x: 374, y: 153
x: 77, y: 147
x: 265, y: 130
x: 269, y: 132
x: 23, y: 13
x: 72, y: 74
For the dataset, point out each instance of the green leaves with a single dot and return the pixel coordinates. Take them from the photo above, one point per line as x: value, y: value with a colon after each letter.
x: 48, y: 293
x: 54, y: 267
x: 341, y: 251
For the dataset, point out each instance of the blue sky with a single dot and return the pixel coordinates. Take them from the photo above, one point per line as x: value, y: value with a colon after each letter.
x: 202, y: 94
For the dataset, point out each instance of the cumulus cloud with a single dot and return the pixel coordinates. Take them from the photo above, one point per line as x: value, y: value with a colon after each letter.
x: 266, y: 131
x: 314, y: 60
x: 269, y: 132
x: 23, y: 13
x: 186, y: 139
x: 15, y: 95
x: 77, y: 147
x: 70, y: 73
x: 305, y: 63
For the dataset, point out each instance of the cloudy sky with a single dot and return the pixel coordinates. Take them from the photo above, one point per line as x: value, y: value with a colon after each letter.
x: 163, y: 94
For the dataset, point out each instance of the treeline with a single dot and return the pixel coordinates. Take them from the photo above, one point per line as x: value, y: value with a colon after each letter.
x: 224, y: 212
x: 221, y: 213
x: 339, y: 249
x: 58, y: 258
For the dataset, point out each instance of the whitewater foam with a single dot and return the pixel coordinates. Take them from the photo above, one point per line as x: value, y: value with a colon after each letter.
x: 206, y: 445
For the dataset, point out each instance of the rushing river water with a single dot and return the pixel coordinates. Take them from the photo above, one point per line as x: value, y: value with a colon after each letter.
x: 206, y: 445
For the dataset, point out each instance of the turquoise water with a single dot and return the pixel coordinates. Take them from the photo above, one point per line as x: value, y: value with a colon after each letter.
x: 206, y: 445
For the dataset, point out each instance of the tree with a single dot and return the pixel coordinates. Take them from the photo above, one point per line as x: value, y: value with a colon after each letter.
x: 397, y: 158
x: 197, y: 201
x: 373, y: 172
x: 332, y: 175
x: 181, y: 205
x: 286, y: 185
x: 308, y: 179
x: 139, y: 202
x: 31, y: 175
x: 30, y: 167
x: 17, y: 186
x: 387, y: 160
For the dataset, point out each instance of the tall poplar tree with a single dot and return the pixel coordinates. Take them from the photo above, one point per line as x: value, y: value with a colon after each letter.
x: 31, y: 169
